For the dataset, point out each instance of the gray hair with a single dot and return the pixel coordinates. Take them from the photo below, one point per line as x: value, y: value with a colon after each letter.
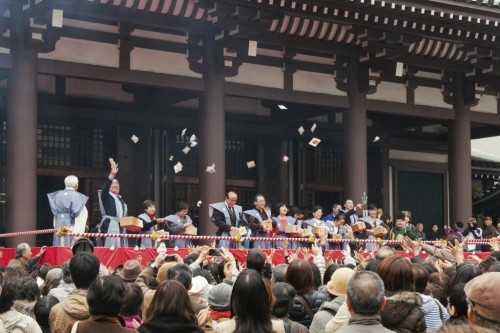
x: 279, y: 273
x: 71, y: 181
x: 21, y: 248
x: 365, y: 292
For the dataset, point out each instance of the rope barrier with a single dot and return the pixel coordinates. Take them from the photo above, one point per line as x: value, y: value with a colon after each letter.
x: 65, y: 232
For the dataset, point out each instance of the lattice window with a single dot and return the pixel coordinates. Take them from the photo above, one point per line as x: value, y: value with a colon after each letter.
x: 324, y: 165
x: 69, y: 146
x: 238, y: 153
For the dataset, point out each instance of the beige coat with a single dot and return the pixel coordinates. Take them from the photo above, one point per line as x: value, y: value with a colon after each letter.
x: 230, y: 325
x: 72, y: 308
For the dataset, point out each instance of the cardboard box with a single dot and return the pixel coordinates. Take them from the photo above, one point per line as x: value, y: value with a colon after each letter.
x: 190, y: 231
x: 268, y: 225
x: 305, y: 233
x: 240, y: 232
x: 131, y: 223
x: 292, y: 229
x: 379, y: 231
x: 335, y: 236
x: 320, y: 230
x: 358, y: 226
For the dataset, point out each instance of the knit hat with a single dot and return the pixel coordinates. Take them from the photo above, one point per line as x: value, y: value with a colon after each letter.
x: 219, y: 297
x: 131, y: 270
x: 83, y: 245
x: 199, y: 288
x: 337, y: 285
x: 484, y: 293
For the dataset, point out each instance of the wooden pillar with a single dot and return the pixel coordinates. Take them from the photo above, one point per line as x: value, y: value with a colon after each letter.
x: 355, y: 136
x: 22, y: 119
x: 212, y: 134
x: 459, y: 159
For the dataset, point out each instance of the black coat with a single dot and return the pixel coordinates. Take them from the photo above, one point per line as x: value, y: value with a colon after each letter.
x: 299, y: 312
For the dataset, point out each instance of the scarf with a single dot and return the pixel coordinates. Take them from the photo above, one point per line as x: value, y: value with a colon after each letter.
x: 216, y: 315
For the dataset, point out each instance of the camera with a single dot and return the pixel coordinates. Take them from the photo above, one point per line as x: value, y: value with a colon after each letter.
x: 170, y: 258
x: 214, y: 252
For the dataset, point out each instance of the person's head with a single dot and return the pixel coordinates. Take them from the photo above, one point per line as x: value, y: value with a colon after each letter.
x: 132, y: 302
x: 317, y: 212
x: 339, y: 219
x: 182, y: 209
x: 337, y: 286
x: 219, y: 297
x: 149, y: 207
x: 483, y: 299
x: 488, y: 221
x: 83, y: 245
x: 28, y: 289
x: 485, y: 264
x: 295, y: 212
x: 251, y: 302
x: 457, y: 304
x: 131, y: 270
x: 182, y: 274
x: 256, y: 260
x: 300, y: 275
x: 420, y: 227
x: 279, y: 273
x: 348, y: 204
x: 421, y: 277
x: 105, y: 295
x: 7, y: 296
x: 71, y: 181
x: 386, y: 218
x: 442, y: 280
x: 115, y: 186
x: 438, y: 293
x: 190, y: 258
x: 472, y: 222
x: 329, y: 272
x: 400, y: 220
x: 283, y: 296
x: 397, y: 274
x: 458, y: 225
x: 231, y: 198
x: 316, y: 275
x: 365, y: 293
x: 23, y: 251
x: 464, y: 273
x: 42, y: 309
x: 435, y: 228
x: 336, y: 207
x: 281, y: 209
x: 259, y: 202
x: 66, y: 273
x: 84, y: 268
x: 171, y: 300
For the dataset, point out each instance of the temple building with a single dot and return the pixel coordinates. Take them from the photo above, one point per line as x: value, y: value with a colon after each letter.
x: 330, y: 100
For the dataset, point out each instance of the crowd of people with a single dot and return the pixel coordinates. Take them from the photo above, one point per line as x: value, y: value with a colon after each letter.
x: 433, y: 287
x: 379, y: 291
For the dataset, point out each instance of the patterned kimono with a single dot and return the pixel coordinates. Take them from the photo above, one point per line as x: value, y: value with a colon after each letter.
x: 220, y: 209
x: 174, y: 225
x: 281, y: 234
x: 253, y: 214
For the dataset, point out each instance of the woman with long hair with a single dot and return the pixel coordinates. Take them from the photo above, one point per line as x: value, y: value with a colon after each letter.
x: 308, y: 300
x: 251, y: 304
x: 402, y: 312
x: 171, y: 310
